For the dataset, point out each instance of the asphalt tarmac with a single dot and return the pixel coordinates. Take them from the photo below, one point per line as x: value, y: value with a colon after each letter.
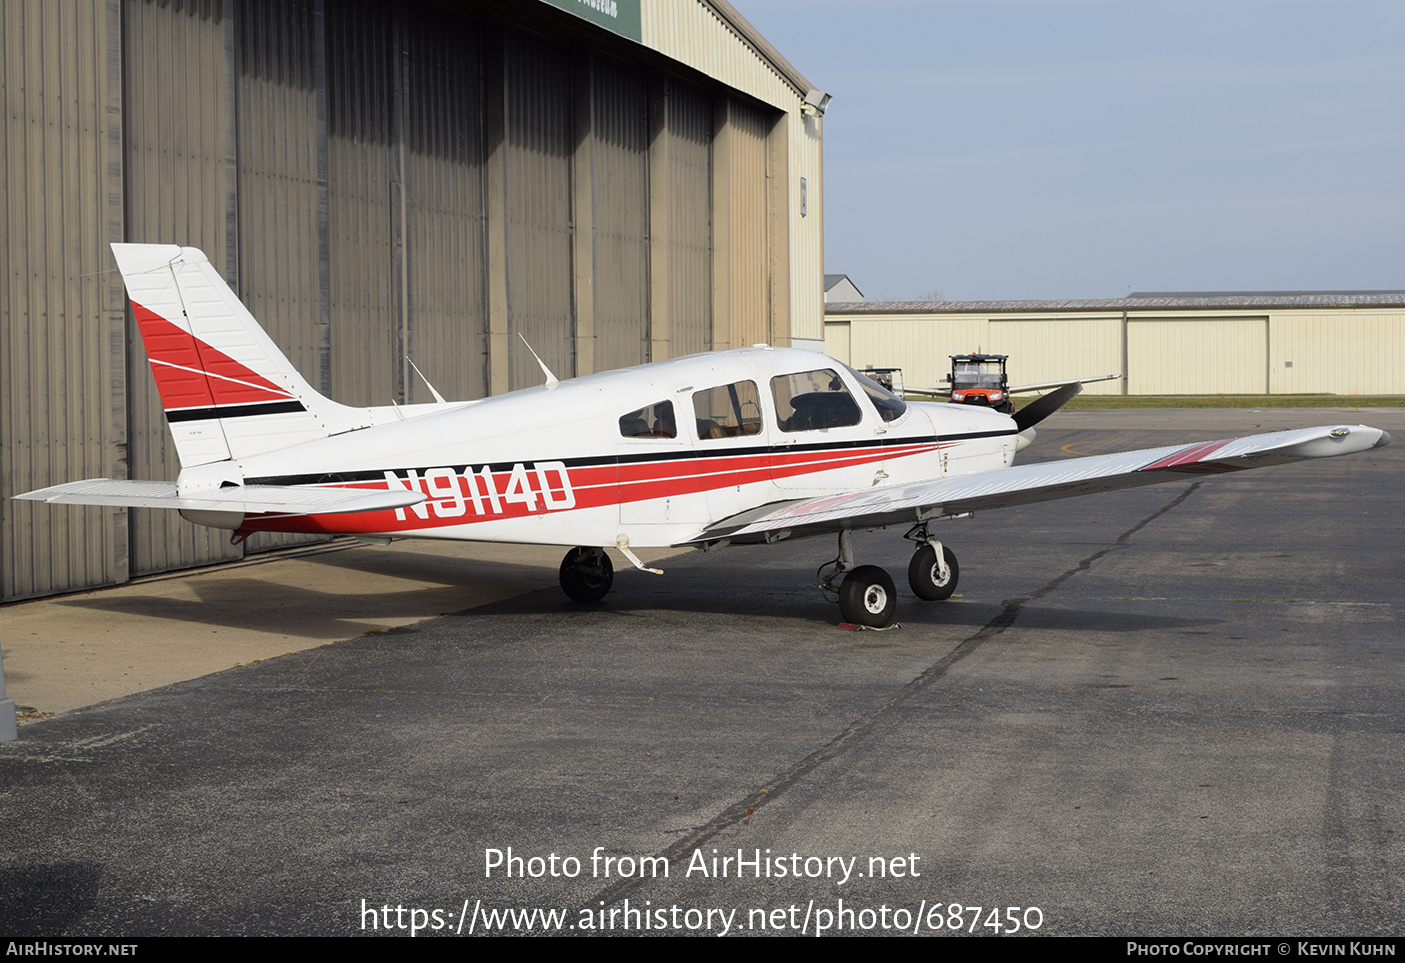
x: 1172, y: 711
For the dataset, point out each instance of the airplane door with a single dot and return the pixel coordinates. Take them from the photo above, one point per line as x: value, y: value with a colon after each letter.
x: 825, y: 440
x: 732, y: 442
x: 652, y: 464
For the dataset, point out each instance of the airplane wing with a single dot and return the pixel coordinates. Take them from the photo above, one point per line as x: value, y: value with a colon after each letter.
x: 1044, y: 481
x: 249, y: 499
x: 1046, y: 385
x: 1014, y: 390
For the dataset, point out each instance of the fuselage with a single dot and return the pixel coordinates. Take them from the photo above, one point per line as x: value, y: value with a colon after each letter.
x: 654, y: 453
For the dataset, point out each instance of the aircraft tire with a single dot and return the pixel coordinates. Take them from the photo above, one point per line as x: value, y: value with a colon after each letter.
x: 582, y: 579
x: 867, y: 597
x: 924, y: 578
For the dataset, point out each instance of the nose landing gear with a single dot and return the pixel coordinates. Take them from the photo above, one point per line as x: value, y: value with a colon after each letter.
x: 933, y: 571
x: 866, y: 594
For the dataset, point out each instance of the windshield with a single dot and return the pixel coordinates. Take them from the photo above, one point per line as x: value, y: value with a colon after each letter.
x: 969, y: 374
x: 890, y: 406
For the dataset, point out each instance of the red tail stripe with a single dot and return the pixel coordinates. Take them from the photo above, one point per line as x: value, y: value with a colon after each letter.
x: 168, y: 344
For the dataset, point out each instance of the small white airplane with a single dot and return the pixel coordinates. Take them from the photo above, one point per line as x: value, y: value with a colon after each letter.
x: 742, y: 446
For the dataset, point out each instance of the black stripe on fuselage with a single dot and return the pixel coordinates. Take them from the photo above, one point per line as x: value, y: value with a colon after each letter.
x: 235, y: 411
x: 349, y: 477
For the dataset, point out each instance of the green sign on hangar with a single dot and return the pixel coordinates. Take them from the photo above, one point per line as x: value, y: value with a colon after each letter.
x: 617, y: 16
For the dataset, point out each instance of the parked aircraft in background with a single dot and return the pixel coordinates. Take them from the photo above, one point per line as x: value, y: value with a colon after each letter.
x: 752, y: 445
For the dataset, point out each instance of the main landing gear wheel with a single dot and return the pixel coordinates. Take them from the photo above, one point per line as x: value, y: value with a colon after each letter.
x: 867, y: 597
x: 925, y: 577
x: 586, y: 574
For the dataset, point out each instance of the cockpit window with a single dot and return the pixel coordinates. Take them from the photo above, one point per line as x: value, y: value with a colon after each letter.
x: 813, y: 400
x: 651, y: 421
x: 728, y: 411
x: 890, y: 406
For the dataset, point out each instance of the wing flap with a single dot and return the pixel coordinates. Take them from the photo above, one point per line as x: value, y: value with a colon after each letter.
x: 250, y: 499
x: 1044, y: 481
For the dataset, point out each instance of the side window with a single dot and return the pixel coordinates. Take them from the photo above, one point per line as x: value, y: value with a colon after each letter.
x: 651, y: 421
x: 813, y: 400
x: 728, y: 411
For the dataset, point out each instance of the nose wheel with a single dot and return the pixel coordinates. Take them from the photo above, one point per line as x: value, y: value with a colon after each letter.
x: 933, y: 572
x: 586, y: 574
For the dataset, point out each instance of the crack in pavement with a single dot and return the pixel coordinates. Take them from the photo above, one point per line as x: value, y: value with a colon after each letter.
x: 860, y: 727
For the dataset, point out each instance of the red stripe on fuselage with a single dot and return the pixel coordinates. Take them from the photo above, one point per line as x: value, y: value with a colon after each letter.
x: 593, y: 486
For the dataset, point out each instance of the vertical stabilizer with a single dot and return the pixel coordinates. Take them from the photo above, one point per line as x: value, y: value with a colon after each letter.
x: 227, y: 390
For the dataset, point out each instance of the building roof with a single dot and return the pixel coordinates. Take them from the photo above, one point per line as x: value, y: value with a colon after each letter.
x: 1139, y: 301
x: 830, y: 280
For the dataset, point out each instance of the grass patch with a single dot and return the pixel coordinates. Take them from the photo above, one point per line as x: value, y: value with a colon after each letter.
x: 1235, y: 401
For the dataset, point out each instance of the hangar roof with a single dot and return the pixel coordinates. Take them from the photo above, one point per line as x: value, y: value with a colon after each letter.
x: 1137, y: 301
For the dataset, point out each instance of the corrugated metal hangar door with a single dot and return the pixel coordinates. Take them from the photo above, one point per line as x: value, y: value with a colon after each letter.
x: 380, y: 183
x: 1171, y: 356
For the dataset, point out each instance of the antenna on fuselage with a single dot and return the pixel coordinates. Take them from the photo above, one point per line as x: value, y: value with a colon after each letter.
x: 551, y: 379
x: 432, y: 390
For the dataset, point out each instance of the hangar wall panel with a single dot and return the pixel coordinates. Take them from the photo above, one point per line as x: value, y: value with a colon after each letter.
x: 921, y: 349
x: 282, y: 181
x: 748, y: 251
x: 444, y: 173
x: 620, y: 186
x: 1060, y: 348
x: 1176, y: 356
x: 1345, y: 352
x: 62, y: 328
x: 695, y: 34
x: 363, y: 181
x: 836, y: 341
x: 689, y: 132
x: 539, y: 142
x: 179, y: 81
x: 282, y: 190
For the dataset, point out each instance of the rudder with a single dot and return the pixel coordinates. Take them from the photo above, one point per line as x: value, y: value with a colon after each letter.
x: 226, y: 388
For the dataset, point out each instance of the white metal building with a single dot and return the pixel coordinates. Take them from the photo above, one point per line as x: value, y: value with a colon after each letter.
x: 1333, y: 342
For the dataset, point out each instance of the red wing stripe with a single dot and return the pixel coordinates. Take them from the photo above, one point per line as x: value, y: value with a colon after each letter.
x: 1188, y: 455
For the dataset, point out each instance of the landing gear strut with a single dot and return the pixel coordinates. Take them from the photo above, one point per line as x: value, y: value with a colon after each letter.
x: 866, y: 595
x: 586, y: 574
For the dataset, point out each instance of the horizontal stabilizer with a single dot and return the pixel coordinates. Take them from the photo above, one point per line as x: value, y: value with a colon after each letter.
x: 250, y: 499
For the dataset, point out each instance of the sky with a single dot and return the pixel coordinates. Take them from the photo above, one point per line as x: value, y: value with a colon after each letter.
x: 1011, y: 149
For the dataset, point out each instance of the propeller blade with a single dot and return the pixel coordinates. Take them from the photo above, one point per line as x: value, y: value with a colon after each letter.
x: 1041, y: 408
